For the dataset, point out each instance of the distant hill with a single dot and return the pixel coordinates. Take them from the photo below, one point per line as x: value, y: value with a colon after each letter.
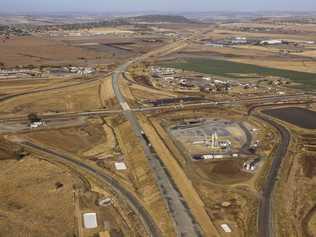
x: 162, y: 18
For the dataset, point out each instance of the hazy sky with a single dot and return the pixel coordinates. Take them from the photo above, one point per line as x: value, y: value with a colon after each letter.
x: 158, y: 5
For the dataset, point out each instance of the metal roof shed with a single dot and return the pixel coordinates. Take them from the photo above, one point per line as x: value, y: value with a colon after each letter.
x: 90, y: 220
x: 120, y: 166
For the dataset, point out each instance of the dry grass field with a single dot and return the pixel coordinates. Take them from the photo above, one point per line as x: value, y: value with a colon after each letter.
x: 77, y: 98
x: 76, y: 140
x: 145, y: 93
x: 114, y: 45
x: 110, y: 30
x: 142, y: 178
x: 32, y: 50
x: 107, y: 97
x: 240, y: 212
x: 46, y: 196
x: 19, y: 86
x: 31, y: 202
x: 100, y: 143
x: 295, y: 198
x: 39, y: 198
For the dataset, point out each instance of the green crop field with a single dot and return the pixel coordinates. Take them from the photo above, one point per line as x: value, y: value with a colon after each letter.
x: 225, y: 68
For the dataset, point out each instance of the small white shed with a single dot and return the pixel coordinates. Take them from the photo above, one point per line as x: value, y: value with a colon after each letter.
x: 90, y: 220
x: 120, y: 166
x: 226, y: 228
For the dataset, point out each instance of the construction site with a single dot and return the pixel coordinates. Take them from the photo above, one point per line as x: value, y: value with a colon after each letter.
x: 157, y: 125
x: 211, y: 139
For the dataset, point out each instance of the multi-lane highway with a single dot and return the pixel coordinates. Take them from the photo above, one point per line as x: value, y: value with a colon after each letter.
x: 265, y: 217
x: 183, y: 220
x: 181, y: 214
x: 184, y: 223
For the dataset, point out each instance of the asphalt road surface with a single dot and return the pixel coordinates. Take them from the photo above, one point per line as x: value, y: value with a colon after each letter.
x: 288, y: 100
x: 181, y: 215
x: 141, y: 212
x: 265, y: 216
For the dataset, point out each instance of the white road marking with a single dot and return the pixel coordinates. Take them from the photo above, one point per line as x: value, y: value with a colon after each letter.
x: 125, y: 106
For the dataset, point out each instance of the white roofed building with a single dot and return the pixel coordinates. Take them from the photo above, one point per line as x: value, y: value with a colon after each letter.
x: 90, y: 220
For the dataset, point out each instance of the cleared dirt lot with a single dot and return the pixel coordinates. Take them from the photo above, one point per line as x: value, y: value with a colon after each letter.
x: 222, y: 172
x: 196, y: 135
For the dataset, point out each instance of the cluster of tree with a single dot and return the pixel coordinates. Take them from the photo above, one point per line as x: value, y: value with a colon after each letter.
x: 3, y: 28
x: 13, y: 30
